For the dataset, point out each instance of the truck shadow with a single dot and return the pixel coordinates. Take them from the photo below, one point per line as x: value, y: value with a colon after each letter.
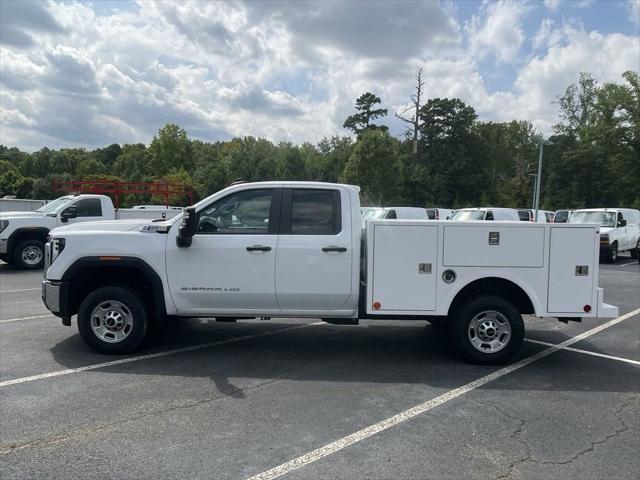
x: 388, y: 354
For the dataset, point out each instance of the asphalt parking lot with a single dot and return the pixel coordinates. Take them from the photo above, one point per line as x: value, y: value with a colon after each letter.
x: 308, y: 400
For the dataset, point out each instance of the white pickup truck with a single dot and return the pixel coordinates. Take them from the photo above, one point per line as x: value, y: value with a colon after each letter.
x: 295, y: 249
x: 23, y: 234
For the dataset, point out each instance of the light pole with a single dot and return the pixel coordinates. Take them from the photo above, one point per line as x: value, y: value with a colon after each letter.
x: 535, y: 182
x: 543, y: 142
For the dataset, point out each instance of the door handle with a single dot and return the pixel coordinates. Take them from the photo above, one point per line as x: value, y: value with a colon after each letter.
x: 258, y: 248
x: 333, y: 248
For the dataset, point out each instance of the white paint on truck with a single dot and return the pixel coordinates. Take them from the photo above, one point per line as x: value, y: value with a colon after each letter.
x: 295, y: 249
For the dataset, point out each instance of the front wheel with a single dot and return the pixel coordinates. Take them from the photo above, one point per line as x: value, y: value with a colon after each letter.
x: 112, y: 320
x: 488, y: 329
x: 612, y: 253
x: 29, y: 254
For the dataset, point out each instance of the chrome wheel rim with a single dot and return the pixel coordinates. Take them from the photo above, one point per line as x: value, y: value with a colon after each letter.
x: 111, y: 321
x: 489, y: 331
x: 31, y: 255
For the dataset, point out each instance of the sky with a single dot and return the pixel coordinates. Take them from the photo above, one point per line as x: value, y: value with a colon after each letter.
x: 91, y: 73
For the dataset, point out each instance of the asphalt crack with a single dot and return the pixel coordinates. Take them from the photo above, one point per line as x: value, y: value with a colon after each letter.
x: 528, y: 458
x: 234, y: 393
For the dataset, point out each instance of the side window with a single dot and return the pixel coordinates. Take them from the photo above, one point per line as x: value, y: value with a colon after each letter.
x: 245, y: 212
x: 314, y: 212
x: 89, y: 207
x: 431, y: 214
x: 489, y: 215
x: 620, y: 217
x: 391, y: 215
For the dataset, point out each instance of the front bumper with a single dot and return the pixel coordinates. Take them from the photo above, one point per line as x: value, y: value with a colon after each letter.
x: 54, y: 296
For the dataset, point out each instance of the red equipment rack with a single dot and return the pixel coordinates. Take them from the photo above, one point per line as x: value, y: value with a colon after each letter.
x: 117, y: 188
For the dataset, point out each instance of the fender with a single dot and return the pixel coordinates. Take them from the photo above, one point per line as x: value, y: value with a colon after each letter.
x: 66, y: 304
x: 535, y: 301
x: 26, y: 232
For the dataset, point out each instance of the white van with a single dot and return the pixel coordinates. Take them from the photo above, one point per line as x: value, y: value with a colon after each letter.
x: 392, y: 213
x: 619, y: 229
x: 527, y: 214
x: 485, y: 213
x: 439, y: 213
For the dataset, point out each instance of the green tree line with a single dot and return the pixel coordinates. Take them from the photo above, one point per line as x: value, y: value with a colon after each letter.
x: 593, y: 160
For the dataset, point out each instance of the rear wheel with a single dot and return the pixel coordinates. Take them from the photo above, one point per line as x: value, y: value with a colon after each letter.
x: 29, y: 254
x: 112, y: 320
x: 635, y: 253
x: 488, y: 329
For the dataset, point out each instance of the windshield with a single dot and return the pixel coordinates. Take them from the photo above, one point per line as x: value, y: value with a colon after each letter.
x: 466, y: 215
x: 376, y: 214
x: 55, y: 206
x: 604, y: 219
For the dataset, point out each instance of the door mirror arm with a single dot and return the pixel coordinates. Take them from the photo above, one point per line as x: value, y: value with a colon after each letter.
x: 188, y: 227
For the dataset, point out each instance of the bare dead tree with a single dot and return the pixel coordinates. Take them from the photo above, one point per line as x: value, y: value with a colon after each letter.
x: 415, y: 120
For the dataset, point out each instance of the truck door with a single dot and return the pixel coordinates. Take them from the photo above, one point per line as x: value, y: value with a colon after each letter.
x: 89, y: 209
x: 230, y: 264
x: 313, y: 262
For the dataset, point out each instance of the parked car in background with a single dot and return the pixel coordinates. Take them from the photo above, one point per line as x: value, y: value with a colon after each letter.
x: 527, y: 214
x: 24, y: 233
x: 562, y: 216
x: 619, y: 229
x: 393, y: 213
x: 485, y: 213
x: 439, y: 213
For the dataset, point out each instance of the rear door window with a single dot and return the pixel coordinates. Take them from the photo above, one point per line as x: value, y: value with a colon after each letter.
x: 314, y: 211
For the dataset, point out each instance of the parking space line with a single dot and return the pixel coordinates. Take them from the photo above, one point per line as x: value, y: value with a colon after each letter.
x: 19, y: 319
x: 149, y: 356
x: 419, y: 409
x: 628, y: 264
x: 22, y: 290
x: 586, y: 352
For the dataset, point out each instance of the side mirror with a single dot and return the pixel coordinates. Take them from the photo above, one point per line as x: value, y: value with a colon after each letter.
x: 69, y: 212
x: 622, y: 222
x: 188, y: 227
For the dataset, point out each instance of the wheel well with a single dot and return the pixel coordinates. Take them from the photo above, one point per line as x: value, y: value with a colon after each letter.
x: 23, y: 234
x: 495, y: 286
x: 89, y: 278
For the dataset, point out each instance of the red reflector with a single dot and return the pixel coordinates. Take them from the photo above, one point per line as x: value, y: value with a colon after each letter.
x: 109, y: 258
x: 376, y: 305
x: 587, y: 308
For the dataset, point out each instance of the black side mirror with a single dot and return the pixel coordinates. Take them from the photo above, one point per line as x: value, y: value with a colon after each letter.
x: 622, y: 222
x: 188, y: 227
x: 69, y: 212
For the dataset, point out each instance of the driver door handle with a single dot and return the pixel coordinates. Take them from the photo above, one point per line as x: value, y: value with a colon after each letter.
x: 333, y: 248
x: 258, y: 248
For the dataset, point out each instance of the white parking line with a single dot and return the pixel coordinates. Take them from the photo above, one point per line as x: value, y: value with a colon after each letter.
x: 387, y: 423
x: 22, y: 290
x: 586, y: 352
x: 19, y: 319
x: 628, y: 264
x: 149, y: 356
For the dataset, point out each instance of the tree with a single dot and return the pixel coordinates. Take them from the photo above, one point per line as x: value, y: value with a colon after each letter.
x: 365, y: 114
x: 414, y: 121
x: 375, y: 167
x: 170, y: 150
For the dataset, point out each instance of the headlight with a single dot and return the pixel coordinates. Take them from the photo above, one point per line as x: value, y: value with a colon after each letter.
x: 56, y: 246
x: 3, y: 224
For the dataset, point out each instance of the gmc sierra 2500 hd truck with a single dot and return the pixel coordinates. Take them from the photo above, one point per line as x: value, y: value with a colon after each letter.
x: 296, y: 249
x: 23, y: 234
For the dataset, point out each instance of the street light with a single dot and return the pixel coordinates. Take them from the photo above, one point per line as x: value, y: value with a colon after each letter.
x: 535, y: 183
x: 543, y: 142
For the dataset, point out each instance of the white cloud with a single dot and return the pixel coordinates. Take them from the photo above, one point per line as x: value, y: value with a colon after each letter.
x: 634, y: 12
x: 497, y: 30
x: 285, y: 71
x: 552, y: 4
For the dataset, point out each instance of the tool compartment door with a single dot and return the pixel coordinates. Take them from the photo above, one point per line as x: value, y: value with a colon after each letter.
x: 569, y: 289
x: 404, y: 267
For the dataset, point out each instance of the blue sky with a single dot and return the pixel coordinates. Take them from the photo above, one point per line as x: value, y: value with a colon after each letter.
x: 89, y: 73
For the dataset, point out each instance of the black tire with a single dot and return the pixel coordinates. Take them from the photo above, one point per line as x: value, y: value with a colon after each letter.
x: 113, y: 298
x: 612, y: 253
x: 29, y: 255
x: 506, y: 312
x: 635, y: 253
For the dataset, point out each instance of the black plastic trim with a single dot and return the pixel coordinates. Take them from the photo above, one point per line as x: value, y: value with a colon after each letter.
x: 123, y: 262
